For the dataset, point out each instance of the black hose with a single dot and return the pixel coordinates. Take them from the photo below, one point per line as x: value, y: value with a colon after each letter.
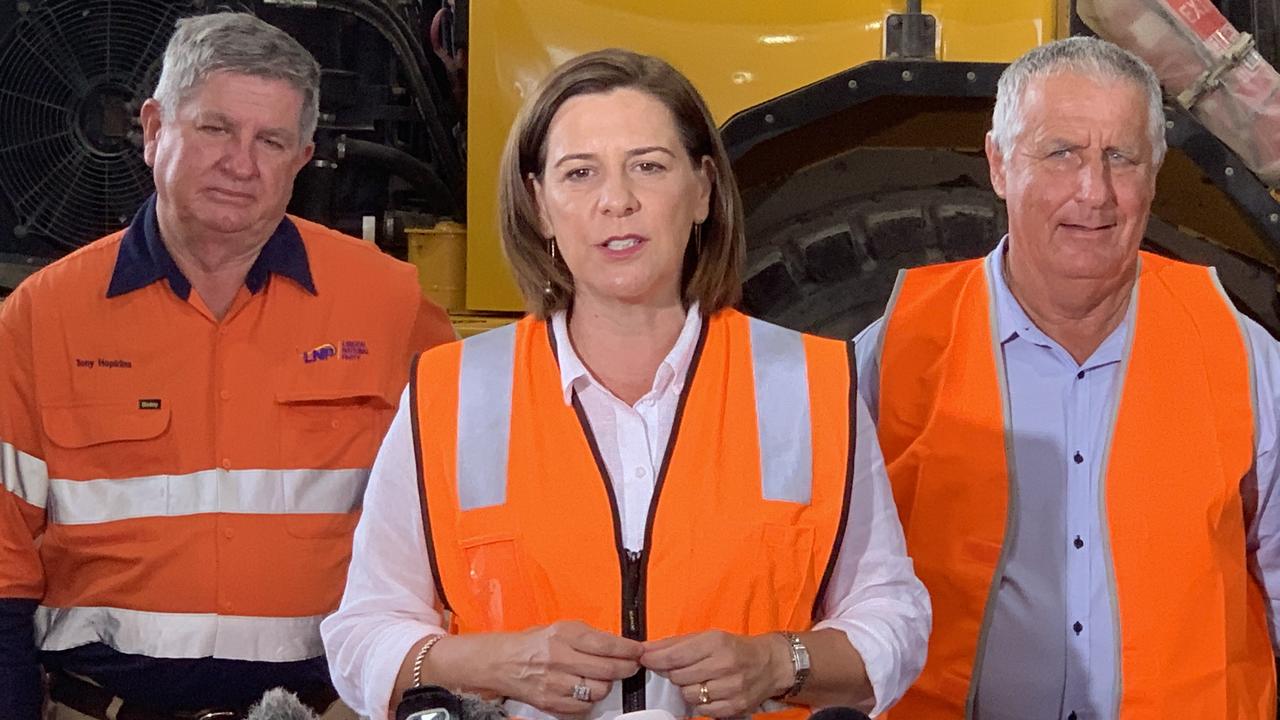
x: 401, y: 164
x: 429, y: 98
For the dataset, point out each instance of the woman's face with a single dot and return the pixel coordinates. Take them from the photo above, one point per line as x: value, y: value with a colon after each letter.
x: 619, y: 194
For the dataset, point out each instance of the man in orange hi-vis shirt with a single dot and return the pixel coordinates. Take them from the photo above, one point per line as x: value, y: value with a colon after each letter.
x: 189, y: 409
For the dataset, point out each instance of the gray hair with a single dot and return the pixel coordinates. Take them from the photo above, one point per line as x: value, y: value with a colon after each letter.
x: 1088, y: 56
x: 238, y: 43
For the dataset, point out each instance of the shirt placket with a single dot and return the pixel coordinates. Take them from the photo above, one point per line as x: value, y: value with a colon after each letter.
x: 637, y: 473
x: 1081, y: 460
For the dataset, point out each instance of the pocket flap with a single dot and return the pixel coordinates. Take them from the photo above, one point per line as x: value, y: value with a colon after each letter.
x: 79, y: 426
x: 326, y: 390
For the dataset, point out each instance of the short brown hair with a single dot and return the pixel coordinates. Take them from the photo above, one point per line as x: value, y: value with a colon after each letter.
x: 712, y: 275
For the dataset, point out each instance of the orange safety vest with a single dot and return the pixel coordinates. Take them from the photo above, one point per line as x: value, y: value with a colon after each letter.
x: 1191, y: 622
x: 748, y: 510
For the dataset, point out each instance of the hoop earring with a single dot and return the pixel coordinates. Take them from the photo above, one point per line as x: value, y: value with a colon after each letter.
x: 551, y: 248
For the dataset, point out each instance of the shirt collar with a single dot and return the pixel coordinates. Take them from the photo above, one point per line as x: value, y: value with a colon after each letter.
x: 673, y: 370
x: 143, y: 259
x: 1013, y: 322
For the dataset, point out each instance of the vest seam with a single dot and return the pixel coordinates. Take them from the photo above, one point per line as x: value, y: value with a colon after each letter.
x: 422, y: 485
x: 847, y: 499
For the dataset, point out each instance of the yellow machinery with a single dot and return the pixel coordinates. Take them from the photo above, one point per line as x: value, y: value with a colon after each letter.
x: 856, y: 129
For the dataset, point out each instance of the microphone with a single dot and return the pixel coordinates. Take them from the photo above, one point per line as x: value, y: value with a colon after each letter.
x: 432, y: 702
x: 280, y: 704
x: 839, y: 713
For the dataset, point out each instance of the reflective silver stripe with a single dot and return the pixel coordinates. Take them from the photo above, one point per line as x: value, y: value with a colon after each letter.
x: 274, y: 492
x: 782, y: 412
x: 24, y: 475
x: 484, y: 417
x: 1104, y: 522
x: 1011, y: 472
x: 181, y: 635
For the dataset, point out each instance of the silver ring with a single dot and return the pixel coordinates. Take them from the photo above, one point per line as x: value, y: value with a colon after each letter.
x: 704, y: 696
x: 581, y: 692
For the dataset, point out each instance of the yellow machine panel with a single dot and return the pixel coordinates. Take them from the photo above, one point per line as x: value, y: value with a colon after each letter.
x: 738, y: 53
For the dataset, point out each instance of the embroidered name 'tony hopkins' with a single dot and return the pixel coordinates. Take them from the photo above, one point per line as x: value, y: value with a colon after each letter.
x: 103, y: 363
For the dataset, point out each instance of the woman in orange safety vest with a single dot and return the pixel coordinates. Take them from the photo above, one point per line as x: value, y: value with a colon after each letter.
x: 635, y: 497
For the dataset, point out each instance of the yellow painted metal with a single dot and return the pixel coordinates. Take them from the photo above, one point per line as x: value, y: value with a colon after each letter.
x: 440, y: 253
x: 738, y: 53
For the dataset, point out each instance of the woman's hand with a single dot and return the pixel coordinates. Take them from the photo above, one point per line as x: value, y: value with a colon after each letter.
x: 542, y: 665
x: 739, y: 672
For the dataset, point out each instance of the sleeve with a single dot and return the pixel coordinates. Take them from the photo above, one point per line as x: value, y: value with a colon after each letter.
x: 390, y: 600
x: 1262, y: 506
x: 24, y: 488
x: 874, y: 596
x: 866, y: 347
x: 431, y: 326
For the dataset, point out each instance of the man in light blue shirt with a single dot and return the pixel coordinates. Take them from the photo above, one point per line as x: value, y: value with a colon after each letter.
x: 1077, y: 140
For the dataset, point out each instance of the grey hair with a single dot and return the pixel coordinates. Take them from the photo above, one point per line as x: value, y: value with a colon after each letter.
x: 238, y: 43
x: 1088, y: 56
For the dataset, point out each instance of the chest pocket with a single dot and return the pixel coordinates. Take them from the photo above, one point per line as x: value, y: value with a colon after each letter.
x: 105, y: 439
x: 331, y: 423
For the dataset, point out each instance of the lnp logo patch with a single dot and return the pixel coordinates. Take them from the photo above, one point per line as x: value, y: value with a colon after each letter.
x: 321, y: 352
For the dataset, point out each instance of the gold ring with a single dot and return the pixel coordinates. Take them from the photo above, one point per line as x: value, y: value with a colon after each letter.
x: 704, y: 696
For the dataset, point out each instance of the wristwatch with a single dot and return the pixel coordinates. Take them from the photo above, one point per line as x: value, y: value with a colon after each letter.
x: 799, y: 662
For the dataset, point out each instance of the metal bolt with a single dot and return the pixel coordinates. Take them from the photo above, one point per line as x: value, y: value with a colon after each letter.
x: 769, y: 118
x: 1230, y: 171
x: 1168, y: 124
x: 1274, y: 217
x: 906, y: 76
x: 853, y: 84
x: 971, y: 76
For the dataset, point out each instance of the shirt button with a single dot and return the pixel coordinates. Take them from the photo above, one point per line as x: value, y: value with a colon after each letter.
x: 224, y: 394
x: 1078, y: 457
x: 226, y: 605
x: 226, y: 463
x: 1078, y: 543
x: 1079, y: 376
x: 1078, y: 627
x: 334, y: 424
x: 641, y: 472
x: 227, y: 533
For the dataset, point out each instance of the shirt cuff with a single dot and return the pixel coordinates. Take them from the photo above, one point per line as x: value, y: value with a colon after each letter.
x: 385, y: 658
x: 878, y: 658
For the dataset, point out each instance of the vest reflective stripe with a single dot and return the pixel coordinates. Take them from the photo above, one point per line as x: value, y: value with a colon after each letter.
x: 276, y: 492
x: 782, y: 415
x: 782, y: 412
x: 181, y: 635
x: 26, y: 476
x: 719, y: 552
x: 1170, y: 491
x: 484, y: 416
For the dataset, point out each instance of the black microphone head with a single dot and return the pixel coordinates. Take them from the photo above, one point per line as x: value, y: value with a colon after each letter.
x: 839, y: 713
x: 280, y: 704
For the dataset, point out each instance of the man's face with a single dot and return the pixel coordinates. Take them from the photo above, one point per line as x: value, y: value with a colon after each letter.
x: 1079, y: 177
x: 224, y: 164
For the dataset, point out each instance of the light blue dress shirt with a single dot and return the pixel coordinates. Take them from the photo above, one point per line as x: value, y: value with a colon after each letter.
x: 1050, y: 650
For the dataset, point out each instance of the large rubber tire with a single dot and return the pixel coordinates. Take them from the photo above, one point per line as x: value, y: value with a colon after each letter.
x: 825, y: 245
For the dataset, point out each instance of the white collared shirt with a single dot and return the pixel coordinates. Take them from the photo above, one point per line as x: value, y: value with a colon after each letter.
x: 390, y: 602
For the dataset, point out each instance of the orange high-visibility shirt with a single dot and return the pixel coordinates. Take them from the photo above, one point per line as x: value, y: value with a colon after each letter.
x: 176, y: 486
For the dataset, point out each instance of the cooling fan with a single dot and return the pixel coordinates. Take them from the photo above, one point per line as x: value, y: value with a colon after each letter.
x: 73, y: 74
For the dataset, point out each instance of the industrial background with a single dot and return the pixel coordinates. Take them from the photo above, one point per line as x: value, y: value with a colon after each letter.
x: 855, y: 127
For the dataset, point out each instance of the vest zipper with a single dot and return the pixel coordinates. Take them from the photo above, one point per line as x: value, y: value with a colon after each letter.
x: 632, y: 625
